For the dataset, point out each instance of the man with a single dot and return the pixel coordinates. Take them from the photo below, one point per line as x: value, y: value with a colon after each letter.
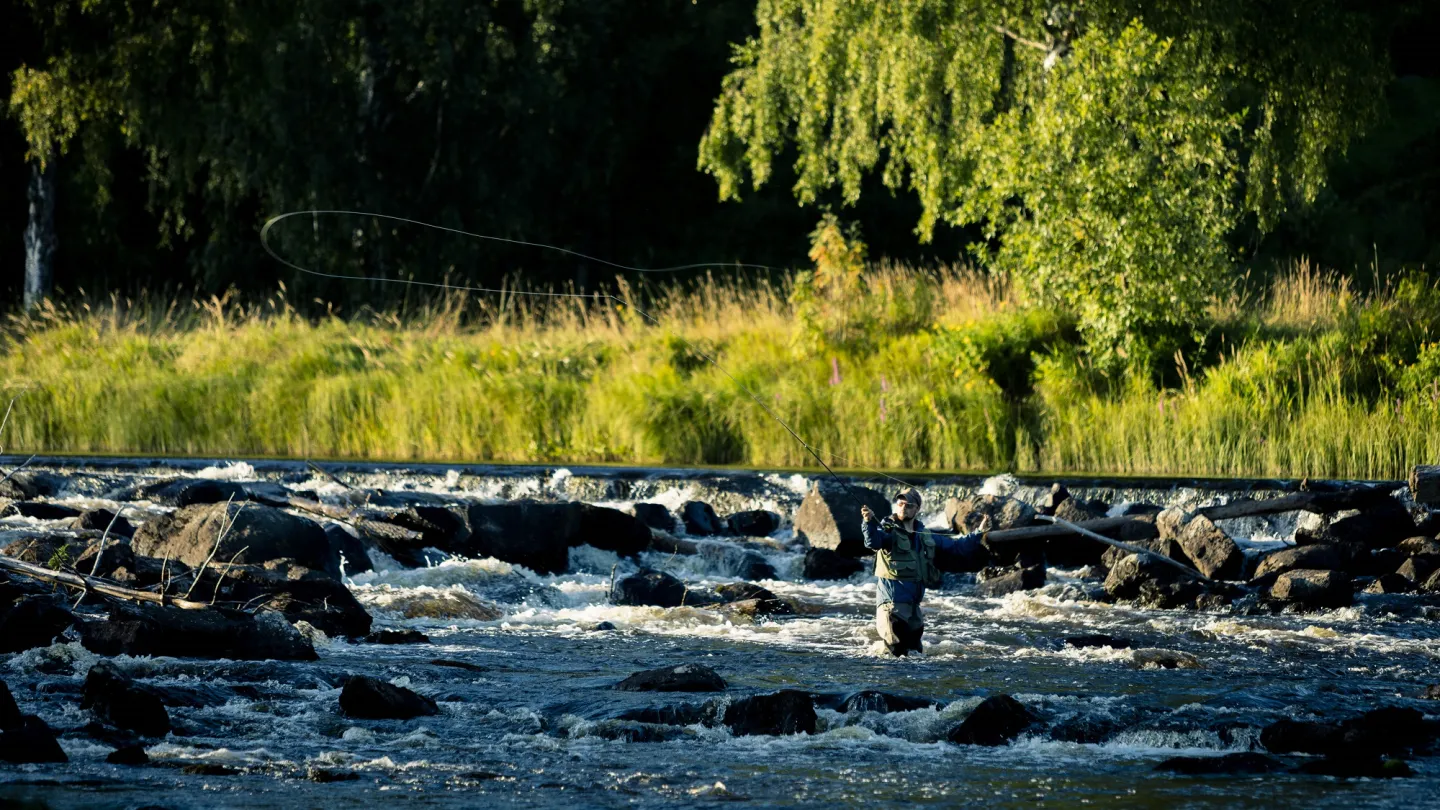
x: 905, y: 567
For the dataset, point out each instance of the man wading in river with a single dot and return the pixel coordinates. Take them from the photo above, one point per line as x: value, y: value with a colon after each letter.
x: 905, y: 567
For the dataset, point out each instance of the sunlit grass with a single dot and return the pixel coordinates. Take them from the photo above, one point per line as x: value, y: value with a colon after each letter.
x: 981, y: 383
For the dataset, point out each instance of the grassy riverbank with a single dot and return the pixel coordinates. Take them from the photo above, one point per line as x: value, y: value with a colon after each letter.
x: 1301, y: 376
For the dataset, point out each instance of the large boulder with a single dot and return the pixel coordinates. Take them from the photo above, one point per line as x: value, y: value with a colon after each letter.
x: 1211, y: 550
x: 1166, y: 547
x: 253, y: 534
x: 785, y: 712
x: 1313, y: 589
x: 1418, y: 567
x: 732, y: 561
x: 371, y: 699
x: 964, y: 515
x: 824, y: 564
x: 684, y: 678
x: 829, y: 517
x: 539, y: 536
x: 349, y: 549
x: 754, y: 523
x: 10, y: 717
x: 654, y: 515
x: 31, y: 741
x: 749, y: 599
x: 27, y: 484
x: 998, y: 720
x: 700, y: 519
x: 1078, y: 510
x: 325, y: 604
x: 649, y: 587
x: 1142, y: 578
x: 34, y: 621
x: 102, y: 519
x: 1057, y: 495
x: 1025, y: 579
x: 116, y: 700
x: 1420, y: 545
x: 1323, y: 556
x: 153, y: 630
x: 180, y: 492
x: 39, y: 510
x: 871, y: 700
x: 1381, y: 525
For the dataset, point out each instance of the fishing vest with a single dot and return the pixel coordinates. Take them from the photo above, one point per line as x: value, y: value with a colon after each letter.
x: 901, y: 562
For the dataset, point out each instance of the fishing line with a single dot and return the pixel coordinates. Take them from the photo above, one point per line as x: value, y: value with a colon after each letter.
x: 265, y: 243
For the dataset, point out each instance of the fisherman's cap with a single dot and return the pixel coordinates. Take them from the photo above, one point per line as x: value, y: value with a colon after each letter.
x: 910, y: 495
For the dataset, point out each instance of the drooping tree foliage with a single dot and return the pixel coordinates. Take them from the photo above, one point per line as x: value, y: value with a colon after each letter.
x: 1114, y: 151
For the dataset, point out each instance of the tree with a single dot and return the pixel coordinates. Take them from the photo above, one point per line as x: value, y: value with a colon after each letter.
x: 1112, y: 150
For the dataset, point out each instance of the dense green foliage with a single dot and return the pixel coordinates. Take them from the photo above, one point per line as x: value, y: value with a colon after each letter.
x: 1109, y: 150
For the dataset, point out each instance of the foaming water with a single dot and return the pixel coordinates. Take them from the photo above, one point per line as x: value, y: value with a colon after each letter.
x: 522, y: 667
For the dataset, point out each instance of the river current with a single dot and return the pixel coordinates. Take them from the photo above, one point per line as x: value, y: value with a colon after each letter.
x: 524, y: 678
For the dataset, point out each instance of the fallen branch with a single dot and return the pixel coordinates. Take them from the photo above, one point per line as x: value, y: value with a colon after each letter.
x: 317, y: 468
x: 1127, y: 547
x: 95, y: 585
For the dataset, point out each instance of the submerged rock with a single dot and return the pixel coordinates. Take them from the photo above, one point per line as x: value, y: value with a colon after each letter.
x: 754, y: 523
x: 39, y: 510
x: 1238, y: 763
x: 788, y: 711
x: 732, y: 561
x: 700, y: 519
x: 153, y: 630
x: 34, y: 621
x: 1099, y: 640
x: 1312, y: 589
x: 128, y: 755
x: 30, y: 742
x: 829, y: 518
x: 680, y: 714
x: 253, y: 534
x: 397, y: 637
x: 116, y: 700
x: 1026, y: 579
x: 371, y: 699
x: 649, y: 587
x: 823, y: 564
x: 684, y: 678
x: 872, y: 700
x: 998, y: 720
x: 1353, y: 767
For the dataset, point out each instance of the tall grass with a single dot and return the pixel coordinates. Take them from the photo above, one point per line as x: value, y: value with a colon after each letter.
x: 1308, y: 377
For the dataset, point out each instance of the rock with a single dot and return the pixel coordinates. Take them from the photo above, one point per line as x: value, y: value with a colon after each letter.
x: 1151, y: 583
x: 1352, y: 767
x: 1168, y: 548
x: 752, y: 600
x: 349, y: 550
x: 1373, y: 562
x: 1169, y: 523
x: 872, y: 700
x: 700, y: 519
x: 154, y: 631
x: 964, y: 516
x: 10, y: 717
x: 1387, y: 730
x: 1425, y: 484
x: 1288, y: 736
x: 755, y: 523
x: 39, y: 510
x: 540, y: 536
x: 1077, y: 510
x: 1432, y: 585
x: 1381, y: 525
x: 100, y: 519
x: 655, y: 516
x: 998, y: 720
x: 602, y: 627
x: 1137, y: 509
x: 326, y: 776
x: 181, y: 492
x: 209, y: 769
x: 1098, y: 640
x: 1419, y: 545
x: 1418, y: 568
x: 682, y: 714
x: 27, y: 484
x: 397, y: 637
x: 439, y: 526
x: 649, y: 587
x: 1158, y: 658
x: 326, y: 604
x: 1238, y: 763
x: 117, y: 701
x: 1058, y: 494
x: 33, y: 622
x: 256, y: 534
x: 785, y: 712
x: 1323, y: 556
x: 1389, y: 584
x: 829, y: 518
x: 1211, y: 550
x: 684, y: 678
x: 823, y: 564
x: 1026, y: 579
x: 1311, y: 589
x: 632, y: 732
x: 371, y: 699
x: 128, y: 755
x: 1432, y: 692
x: 732, y: 561
x: 31, y: 742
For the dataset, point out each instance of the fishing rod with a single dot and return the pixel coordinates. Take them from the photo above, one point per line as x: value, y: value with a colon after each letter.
x: 265, y: 243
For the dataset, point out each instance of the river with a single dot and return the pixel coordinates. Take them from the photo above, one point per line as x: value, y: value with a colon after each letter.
x: 523, y: 678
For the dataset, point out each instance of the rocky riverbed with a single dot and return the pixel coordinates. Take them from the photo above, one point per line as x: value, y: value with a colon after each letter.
x: 267, y: 634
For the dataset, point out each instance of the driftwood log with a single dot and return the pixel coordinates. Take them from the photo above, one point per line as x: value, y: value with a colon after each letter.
x: 95, y: 585
x: 1322, y: 502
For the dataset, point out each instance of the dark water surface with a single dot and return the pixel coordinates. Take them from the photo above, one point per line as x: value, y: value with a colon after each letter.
x: 529, y: 721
